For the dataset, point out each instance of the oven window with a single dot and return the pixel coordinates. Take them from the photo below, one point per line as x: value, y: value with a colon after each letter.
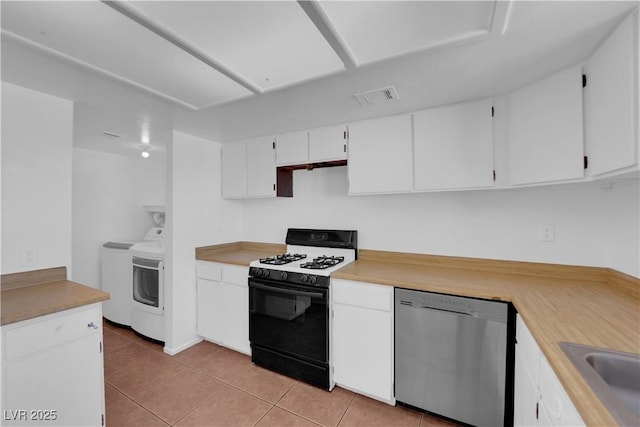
x: 290, y: 318
x: 146, y: 286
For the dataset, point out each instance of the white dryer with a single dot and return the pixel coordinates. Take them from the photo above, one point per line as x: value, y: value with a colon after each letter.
x: 147, y: 297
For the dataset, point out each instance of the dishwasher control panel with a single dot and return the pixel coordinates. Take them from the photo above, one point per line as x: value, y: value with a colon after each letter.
x: 485, y: 309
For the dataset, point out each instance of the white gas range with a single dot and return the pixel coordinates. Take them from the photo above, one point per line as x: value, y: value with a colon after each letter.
x: 289, y: 321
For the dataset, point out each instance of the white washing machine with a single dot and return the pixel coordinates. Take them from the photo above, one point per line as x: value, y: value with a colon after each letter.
x: 116, y: 278
x: 147, y: 297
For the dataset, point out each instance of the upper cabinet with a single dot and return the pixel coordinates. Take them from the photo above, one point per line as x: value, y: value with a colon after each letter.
x: 234, y: 170
x: 380, y: 156
x: 261, y: 167
x: 328, y: 144
x: 611, y: 101
x: 249, y: 169
x: 292, y: 148
x: 566, y: 127
x: 453, y: 146
x: 317, y: 145
x: 545, y: 140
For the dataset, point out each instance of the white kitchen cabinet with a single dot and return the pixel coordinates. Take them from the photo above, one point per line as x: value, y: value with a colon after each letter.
x: 249, y: 169
x: 223, y: 304
x: 554, y: 400
x: 545, y: 137
x: 53, y: 370
x: 328, y: 144
x: 292, y: 148
x: 261, y: 167
x: 453, y: 146
x: 381, y: 156
x: 314, y: 146
x: 539, y: 398
x: 611, y: 101
x: 362, y: 338
x: 234, y: 170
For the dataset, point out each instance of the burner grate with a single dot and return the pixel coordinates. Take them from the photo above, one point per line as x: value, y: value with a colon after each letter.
x: 322, y: 262
x: 282, y: 259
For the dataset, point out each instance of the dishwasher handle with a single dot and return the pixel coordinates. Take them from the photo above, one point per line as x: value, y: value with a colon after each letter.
x: 447, y: 310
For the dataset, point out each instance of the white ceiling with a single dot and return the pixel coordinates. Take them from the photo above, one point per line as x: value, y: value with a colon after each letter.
x: 231, y: 69
x: 204, y: 53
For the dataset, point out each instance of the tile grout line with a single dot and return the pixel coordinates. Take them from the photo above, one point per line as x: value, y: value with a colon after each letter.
x: 353, y: 397
x: 135, y: 403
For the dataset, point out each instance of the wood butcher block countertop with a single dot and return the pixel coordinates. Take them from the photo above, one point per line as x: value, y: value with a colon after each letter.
x: 41, y: 292
x: 585, y: 305
x: 238, y: 253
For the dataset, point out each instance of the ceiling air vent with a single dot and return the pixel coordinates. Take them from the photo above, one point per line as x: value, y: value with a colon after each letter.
x: 377, y: 96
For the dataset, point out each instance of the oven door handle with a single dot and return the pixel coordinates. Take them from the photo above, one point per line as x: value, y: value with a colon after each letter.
x: 287, y: 291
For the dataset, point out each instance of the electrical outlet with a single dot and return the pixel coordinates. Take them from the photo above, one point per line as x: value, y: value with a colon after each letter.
x: 547, y: 233
x: 29, y: 257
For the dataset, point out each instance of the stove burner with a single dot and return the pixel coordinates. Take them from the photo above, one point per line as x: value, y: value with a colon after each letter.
x: 282, y: 259
x: 322, y: 262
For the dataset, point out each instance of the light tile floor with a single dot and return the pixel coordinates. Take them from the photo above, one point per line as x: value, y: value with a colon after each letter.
x: 209, y: 385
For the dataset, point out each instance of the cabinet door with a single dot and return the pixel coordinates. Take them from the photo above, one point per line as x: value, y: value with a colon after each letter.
x: 236, y: 331
x: 292, y: 148
x: 67, y: 379
x: 554, y: 400
x: 525, y: 395
x: 611, y: 113
x: 328, y: 143
x: 261, y: 167
x: 362, y: 350
x: 234, y: 170
x: 453, y: 146
x: 380, y: 156
x: 545, y: 130
x: 210, y: 310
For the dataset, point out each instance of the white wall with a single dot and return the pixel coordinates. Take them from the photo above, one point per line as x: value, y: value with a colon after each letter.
x: 593, y: 226
x: 109, y: 194
x: 196, y: 216
x: 37, y: 132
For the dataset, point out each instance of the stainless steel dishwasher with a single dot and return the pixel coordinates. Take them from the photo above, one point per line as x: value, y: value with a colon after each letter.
x: 454, y: 356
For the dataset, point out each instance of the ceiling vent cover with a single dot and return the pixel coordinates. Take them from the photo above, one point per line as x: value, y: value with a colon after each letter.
x: 377, y: 96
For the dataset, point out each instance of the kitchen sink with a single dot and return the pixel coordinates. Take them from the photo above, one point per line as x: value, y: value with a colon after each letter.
x: 613, y: 375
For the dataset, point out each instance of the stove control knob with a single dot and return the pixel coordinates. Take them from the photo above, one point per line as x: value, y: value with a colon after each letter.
x: 313, y: 280
x: 304, y: 278
x: 265, y: 273
x: 284, y: 275
x: 256, y: 272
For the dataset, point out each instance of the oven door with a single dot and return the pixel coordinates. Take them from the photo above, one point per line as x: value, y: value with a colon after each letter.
x: 289, y: 319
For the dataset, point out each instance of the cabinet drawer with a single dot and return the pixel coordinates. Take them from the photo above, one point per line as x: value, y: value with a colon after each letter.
x: 235, y: 274
x: 208, y: 270
x: 62, y: 327
x: 377, y: 297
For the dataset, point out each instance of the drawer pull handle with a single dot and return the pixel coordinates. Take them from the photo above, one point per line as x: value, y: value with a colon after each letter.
x: 92, y: 325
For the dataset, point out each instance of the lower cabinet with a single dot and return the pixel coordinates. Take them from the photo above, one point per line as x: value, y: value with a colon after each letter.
x: 223, y: 304
x: 53, y: 370
x: 540, y: 399
x: 362, y: 338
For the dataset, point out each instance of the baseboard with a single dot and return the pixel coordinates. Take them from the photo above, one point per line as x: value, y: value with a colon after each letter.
x: 173, y: 351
